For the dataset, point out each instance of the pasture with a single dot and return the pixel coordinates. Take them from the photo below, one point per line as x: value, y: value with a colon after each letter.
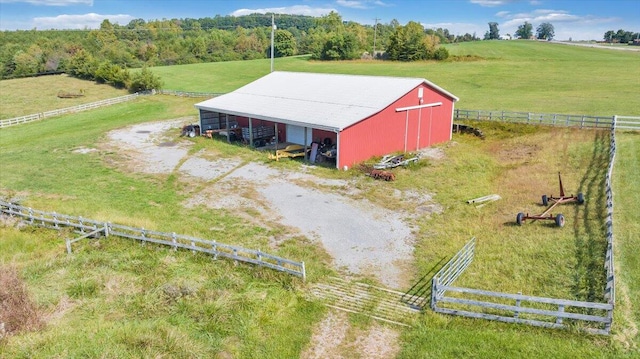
x: 19, y: 97
x: 114, y: 298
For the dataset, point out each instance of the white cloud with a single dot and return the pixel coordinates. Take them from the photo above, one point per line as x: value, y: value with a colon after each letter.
x: 52, y: 2
x: 352, y: 4
x: 490, y: 3
x: 90, y: 21
x: 289, y: 10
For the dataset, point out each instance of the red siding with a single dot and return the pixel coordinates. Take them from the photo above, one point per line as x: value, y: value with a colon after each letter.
x: 384, y: 132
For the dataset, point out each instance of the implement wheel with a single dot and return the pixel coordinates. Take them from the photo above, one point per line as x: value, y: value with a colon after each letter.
x: 560, y: 220
x: 520, y: 218
x: 545, y: 200
x: 580, y: 198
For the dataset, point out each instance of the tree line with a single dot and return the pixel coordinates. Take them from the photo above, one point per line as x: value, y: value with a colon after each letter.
x: 544, y: 31
x: 621, y: 36
x: 106, y: 54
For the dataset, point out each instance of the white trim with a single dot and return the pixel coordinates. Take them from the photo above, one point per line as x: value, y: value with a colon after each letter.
x: 400, y: 109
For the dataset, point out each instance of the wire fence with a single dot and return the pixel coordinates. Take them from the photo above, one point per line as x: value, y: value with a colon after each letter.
x: 89, y: 228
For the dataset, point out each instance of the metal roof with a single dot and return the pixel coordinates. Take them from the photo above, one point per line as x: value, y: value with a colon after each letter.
x: 324, y: 101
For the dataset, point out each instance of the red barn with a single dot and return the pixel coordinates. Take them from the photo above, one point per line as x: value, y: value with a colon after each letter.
x: 361, y: 116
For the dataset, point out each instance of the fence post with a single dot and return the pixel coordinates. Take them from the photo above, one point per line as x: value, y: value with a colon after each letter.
x: 106, y: 229
x: 518, y: 302
x: 434, y: 290
x: 68, y: 242
x: 304, y: 273
x: 174, y: 240
x: 560, y: 310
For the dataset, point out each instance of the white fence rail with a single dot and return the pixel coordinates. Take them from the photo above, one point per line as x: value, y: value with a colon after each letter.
x: 551, y: 119
x: 591, y: 317
x: 188, y: 93
x: 627, y: 122
x: 89, y: 228
x: 62, y: 111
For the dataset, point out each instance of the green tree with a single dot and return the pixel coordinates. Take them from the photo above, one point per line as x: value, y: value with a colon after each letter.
x: 82, y: 65
x: 112, y: 74
x: 284, y: 44
x: 408, y: 43
x: 494, y: 33
x: 545, y: 31
x: 525, y: 31
x: 609, y: 36
x: 145, y: 80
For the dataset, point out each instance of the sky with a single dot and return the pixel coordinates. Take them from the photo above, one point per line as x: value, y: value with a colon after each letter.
x: 572, y: 19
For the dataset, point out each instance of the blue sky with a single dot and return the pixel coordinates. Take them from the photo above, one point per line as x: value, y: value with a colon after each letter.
x: 575, y: 19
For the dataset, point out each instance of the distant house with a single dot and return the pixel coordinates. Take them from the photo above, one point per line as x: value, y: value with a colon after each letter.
x: 505, y: 37
x: 363, y: 116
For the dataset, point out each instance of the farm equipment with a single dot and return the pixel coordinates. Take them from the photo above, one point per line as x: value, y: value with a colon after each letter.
x: 291, y: 151
x: 190, y: 130
x: 555, y: 201
x: 382, y: 175
x: 391, y: 161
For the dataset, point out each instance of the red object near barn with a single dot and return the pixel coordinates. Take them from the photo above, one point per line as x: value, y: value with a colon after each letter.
x: 362, y: 116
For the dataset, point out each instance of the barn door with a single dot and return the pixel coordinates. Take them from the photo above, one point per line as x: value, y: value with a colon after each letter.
x: 295, y: 134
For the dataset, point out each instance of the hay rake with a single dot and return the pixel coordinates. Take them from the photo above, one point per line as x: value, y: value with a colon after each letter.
x: 555, y: 201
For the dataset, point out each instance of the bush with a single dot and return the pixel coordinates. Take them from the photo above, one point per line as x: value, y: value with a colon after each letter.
x: 441, y: 54
x: 145, y: 80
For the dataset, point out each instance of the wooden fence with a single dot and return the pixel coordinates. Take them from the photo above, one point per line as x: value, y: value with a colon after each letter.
x: 627, y: 122
x: 188, y: 93
x: 513, y: 308
x: 517, y: 308
x: 610, y: 289
x: 582, y: 121
x: 89, y: 228
x: 62, y: 111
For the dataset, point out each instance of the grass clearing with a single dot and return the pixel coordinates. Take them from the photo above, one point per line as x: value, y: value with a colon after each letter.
x: 18, y: 96
x: 116, y: 298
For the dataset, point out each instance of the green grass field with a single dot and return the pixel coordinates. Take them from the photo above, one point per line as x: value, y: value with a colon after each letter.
x: 117, y: 299
x: 526, y: 76
x: 27, y: 96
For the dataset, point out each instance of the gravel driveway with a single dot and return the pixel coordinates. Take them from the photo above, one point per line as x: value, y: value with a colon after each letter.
x: 361, y: 237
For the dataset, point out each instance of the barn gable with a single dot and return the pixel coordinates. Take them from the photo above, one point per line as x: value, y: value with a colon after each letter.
x: 324, y: 101
x: 353, y: 112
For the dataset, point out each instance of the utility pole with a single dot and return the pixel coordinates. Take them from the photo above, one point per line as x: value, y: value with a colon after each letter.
x: 375, y: 28
x: 273, y: 29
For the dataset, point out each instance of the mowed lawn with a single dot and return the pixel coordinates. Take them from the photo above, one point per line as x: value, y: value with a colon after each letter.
x: 117, y: 299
